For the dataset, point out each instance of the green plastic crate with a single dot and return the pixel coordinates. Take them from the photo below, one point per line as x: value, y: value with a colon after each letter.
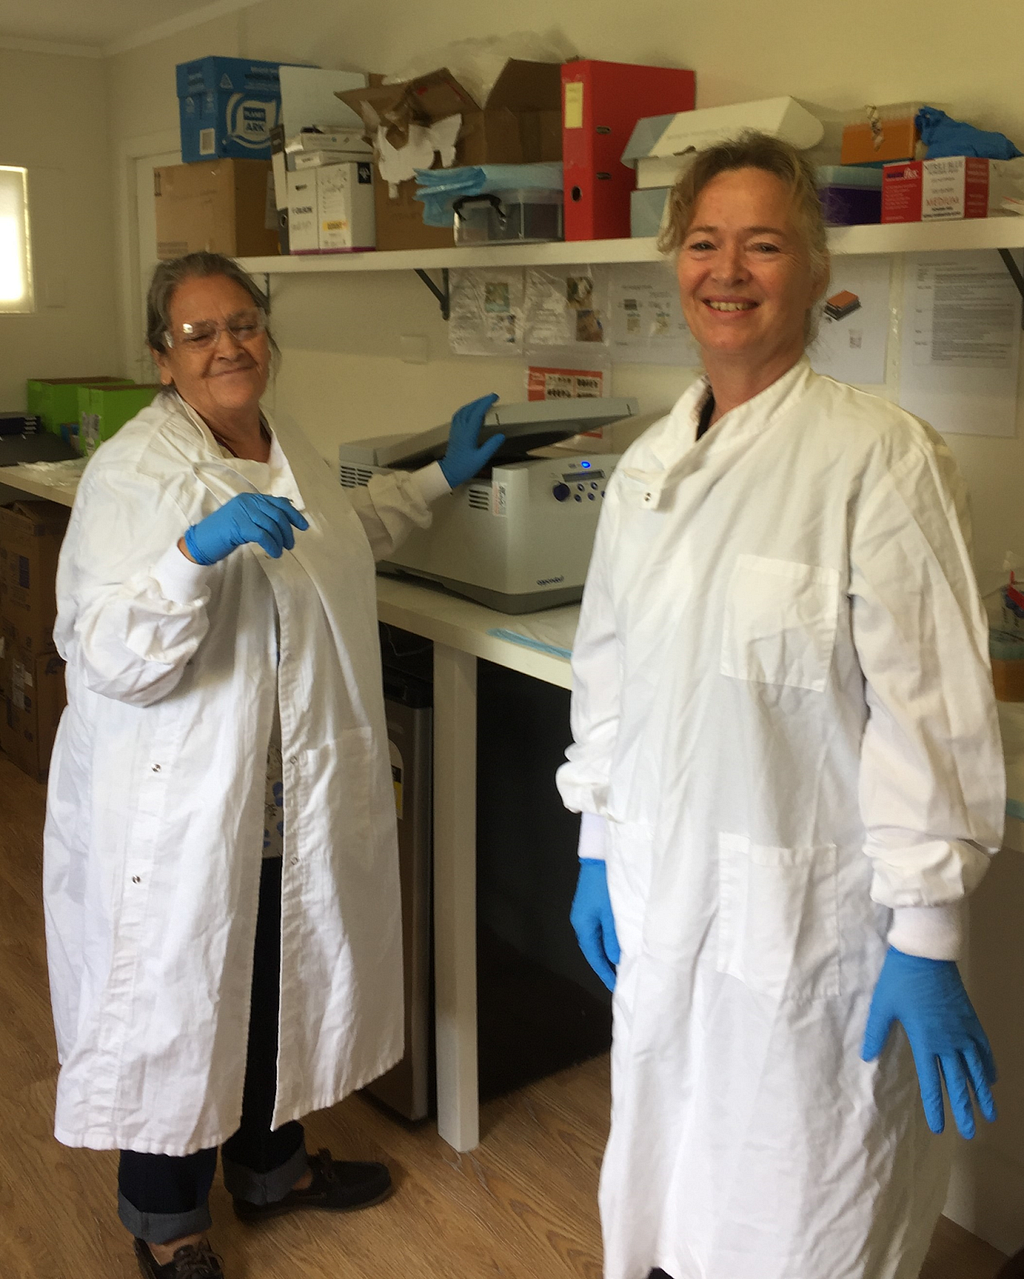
x: 103, y: 410
x: 55, y: 400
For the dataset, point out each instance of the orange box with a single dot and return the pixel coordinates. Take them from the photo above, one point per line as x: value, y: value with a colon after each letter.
x: 895, y: 141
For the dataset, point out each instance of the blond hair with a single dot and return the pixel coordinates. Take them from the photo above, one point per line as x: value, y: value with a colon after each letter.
x: 751, y: 151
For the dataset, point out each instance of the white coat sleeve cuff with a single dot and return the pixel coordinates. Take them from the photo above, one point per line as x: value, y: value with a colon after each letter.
x: 593, y: 837
x: 179, y: 579
x: 431, y: 482
x: 932, y: 932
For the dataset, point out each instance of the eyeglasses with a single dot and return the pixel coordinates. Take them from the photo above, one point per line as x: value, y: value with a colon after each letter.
x: 201, y: 336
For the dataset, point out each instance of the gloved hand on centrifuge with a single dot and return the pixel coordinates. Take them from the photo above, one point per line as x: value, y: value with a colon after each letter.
x: 593, y: 922
x: 465, y: 457
x: 246, y: 517
x: 927, y: 997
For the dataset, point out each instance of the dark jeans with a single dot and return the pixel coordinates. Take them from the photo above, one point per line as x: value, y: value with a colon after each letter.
x: 164, y: 1197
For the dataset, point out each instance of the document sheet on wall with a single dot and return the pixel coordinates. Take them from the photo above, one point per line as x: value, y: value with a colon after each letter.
x: 854, y: 328
x: 960, y: 345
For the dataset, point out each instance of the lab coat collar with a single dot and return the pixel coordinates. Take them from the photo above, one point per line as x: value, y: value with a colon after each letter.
x: 226, y: 476
x: 678, y: 450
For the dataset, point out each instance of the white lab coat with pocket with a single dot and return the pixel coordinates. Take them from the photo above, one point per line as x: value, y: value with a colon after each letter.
x: 155, y: 807
x: 783, y: 715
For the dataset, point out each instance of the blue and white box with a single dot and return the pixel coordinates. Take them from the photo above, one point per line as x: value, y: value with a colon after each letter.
x: 227, y: 107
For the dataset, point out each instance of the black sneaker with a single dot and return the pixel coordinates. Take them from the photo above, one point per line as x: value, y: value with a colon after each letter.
x: 338, y: 1185
x: 193, y: 1261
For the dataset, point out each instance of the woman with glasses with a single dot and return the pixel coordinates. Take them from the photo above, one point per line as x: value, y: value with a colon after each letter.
x: 218, y: 617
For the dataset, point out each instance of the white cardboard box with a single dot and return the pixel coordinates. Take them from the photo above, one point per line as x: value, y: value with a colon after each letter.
x: 661, y: 154
x: 345, y: 209
x: 308, y: 99
x: 303, y: 226
x: 299, y: 160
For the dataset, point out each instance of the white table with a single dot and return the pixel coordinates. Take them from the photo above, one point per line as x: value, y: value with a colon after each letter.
x: 459, y: 631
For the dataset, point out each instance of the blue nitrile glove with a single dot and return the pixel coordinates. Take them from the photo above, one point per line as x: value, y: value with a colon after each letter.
x: 927, y: 997
x: 592, y: 920
x: 946, y: 137
x: 248, y: 517
x: 464, y: 458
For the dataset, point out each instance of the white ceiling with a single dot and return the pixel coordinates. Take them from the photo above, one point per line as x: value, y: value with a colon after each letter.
x: 104, y: 25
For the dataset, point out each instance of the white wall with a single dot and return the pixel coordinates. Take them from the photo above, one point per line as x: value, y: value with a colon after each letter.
x: 53, y: 121
x: 341, y: 375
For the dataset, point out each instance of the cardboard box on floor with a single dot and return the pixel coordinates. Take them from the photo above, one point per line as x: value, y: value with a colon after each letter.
x: 520, y: 123
x: 31, y: 533
x: 221, y: 206
x: 34, y: 696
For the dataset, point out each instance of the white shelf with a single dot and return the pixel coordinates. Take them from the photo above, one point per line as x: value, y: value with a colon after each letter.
x: 907, y: 237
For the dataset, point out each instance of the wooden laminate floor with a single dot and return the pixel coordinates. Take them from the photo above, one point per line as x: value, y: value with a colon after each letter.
x: 522, y: 1206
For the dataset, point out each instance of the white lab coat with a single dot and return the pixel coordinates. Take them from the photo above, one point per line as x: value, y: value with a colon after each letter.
x: 781, y: 666
x: 155, y: 806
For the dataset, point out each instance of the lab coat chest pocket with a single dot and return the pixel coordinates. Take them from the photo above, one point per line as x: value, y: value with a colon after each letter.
x: 779, y: 624
x: 778, y: 926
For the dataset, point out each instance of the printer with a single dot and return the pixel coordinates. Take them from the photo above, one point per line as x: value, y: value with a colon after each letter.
x: 517, y: 537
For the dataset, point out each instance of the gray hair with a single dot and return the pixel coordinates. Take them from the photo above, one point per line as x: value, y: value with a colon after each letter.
x: 168, y: 276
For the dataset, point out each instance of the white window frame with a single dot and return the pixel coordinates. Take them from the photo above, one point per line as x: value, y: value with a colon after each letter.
x: 16, y: 292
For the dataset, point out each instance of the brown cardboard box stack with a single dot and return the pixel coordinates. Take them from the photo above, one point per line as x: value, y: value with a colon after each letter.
x: 31, y: 671
x: 520, y: 123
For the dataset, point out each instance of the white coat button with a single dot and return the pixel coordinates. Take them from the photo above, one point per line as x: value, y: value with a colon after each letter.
x: 294, y: 761
x: 136, y: 879
x: 156, y: 768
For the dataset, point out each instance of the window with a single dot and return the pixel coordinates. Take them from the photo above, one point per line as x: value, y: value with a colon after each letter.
x: 15, y: 258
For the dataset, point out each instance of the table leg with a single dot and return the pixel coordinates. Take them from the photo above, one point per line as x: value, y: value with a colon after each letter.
x: 458, y: 1114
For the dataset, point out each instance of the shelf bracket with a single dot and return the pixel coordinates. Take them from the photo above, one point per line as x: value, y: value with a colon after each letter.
x: 1015, y: 275
x: 442, y: 294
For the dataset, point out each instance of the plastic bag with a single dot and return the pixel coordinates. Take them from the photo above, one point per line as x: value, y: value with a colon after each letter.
x: 477, y: 62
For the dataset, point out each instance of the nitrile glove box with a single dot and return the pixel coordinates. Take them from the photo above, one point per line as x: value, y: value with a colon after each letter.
x: 227, y: 107
x: 949, y: 188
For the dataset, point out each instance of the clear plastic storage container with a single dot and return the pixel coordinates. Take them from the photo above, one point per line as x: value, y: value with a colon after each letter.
x: 509, y: 217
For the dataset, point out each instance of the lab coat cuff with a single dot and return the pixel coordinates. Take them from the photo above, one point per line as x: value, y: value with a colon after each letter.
x: 431, y: 482
x: 932, y: 932
x: 594, y: 837
x: 179, y: 579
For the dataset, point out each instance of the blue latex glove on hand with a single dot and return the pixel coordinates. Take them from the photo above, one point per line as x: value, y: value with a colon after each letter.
x: 593, y: 922
x: 464, y: 457
x: 248, y: 517
x: 928, y: 998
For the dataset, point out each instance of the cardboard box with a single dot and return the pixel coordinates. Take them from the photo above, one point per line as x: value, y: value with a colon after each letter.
x: 331, y: 209
x: 103, y: 410
x: 303, y: 235
x: 520, y: 123
x: 850, y: 195
x: 226, y: 206
x: 345, y: 209
x: 31, y: 533
x: 647, y: 210
x: 55, y: 400
x: 660, y: 146
x: 34, y: 697
x: 951, y: 188
x: 892, y: 137
x: 309, y: 99
x: 227, y: 107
